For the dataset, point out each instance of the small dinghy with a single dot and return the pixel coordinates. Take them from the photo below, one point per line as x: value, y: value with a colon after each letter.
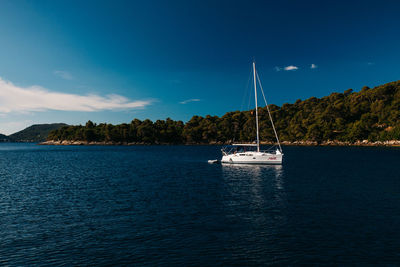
x: 213, y: 161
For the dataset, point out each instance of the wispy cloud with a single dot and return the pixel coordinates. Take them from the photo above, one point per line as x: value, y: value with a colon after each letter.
x: 63, y: 74
x: 370, y: 63
x: 313, y: 66
x: 190, y: 100
x: 291, y: 67
x: 288, y: 68
x: 35, y: 98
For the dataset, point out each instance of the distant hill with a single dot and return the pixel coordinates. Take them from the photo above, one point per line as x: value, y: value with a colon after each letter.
x: 34, y: 133
x: 4, y: 138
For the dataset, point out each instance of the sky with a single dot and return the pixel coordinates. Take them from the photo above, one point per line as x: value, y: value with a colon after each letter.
x: 113, y: 61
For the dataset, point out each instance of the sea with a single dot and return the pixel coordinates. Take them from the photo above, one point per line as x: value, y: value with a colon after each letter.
x: 166, y: 206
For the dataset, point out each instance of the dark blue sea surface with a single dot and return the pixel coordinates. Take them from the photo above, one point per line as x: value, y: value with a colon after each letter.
x: 165, y: 205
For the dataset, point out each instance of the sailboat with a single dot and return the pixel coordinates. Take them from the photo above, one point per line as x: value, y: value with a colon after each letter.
x: 251, y: 153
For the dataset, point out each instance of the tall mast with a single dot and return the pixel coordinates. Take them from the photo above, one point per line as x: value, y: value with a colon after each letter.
x: 255, y: 95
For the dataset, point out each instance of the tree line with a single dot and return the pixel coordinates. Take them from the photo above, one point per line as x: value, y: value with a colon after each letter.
x: 372, y: 114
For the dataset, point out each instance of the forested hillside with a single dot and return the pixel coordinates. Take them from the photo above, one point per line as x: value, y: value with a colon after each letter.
x: 372, y: 114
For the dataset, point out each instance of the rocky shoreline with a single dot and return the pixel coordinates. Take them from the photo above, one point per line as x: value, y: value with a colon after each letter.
x: 343, y: 143
x: 285, y: 143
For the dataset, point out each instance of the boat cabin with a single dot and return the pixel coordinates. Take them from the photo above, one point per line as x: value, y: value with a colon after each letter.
x: 239, y: 148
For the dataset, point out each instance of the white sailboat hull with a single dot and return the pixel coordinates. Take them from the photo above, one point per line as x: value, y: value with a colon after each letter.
x: 252, y: 158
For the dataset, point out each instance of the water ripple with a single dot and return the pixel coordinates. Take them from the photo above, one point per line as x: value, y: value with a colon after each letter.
x: 164, y: 205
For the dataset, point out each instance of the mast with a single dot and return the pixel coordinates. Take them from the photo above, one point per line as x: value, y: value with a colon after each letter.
x: 255, y: 96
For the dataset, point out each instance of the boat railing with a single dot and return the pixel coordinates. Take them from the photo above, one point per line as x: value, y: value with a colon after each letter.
x: 227, y: 150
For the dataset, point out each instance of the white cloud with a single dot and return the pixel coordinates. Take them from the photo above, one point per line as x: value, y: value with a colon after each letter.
x: 190, y: 100
x: 313, y: 66
x: 291, y: 67
x: 35, y: 98
x: 63, y: 74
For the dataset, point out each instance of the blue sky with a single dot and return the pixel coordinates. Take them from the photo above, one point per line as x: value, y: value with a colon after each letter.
x: 112, y: 61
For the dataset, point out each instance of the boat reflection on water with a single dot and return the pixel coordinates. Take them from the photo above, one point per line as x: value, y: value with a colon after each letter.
x: 271, y: 177
x: 259, y: 190
x: 250, y: 167
x: 255, y: 171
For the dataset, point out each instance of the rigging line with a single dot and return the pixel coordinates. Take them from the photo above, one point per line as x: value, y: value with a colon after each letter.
x: 249, y: 99
x: 269, y: 113
x: 249, y: 91
x: 246, y: 93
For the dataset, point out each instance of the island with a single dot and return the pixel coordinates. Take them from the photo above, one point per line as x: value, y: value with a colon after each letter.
x: 368, y: 117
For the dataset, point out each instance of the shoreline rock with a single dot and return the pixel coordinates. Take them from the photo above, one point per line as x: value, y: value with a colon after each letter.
x: 393, y: 143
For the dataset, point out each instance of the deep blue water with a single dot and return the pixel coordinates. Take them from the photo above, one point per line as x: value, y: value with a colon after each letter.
x: 165, y: 205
